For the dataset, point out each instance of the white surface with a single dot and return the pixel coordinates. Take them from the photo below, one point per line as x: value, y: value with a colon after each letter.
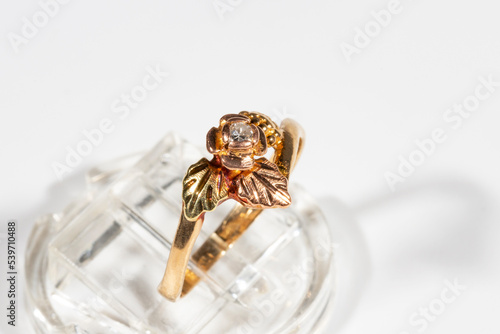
x: 284, y: 57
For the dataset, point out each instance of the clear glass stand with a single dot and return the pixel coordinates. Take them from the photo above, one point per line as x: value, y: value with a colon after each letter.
x: 95, y: 267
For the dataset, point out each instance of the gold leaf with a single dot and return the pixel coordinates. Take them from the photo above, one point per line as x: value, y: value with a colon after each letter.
x: 264, y: 187
x: 203, y: 189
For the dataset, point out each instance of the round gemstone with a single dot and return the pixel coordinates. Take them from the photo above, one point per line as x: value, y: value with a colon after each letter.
x: 240, y: 132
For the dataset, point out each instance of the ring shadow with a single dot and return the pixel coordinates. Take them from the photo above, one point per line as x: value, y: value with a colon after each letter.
x: 457, y: 249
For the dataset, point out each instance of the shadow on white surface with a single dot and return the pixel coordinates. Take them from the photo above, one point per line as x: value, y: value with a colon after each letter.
x: 439, y: 228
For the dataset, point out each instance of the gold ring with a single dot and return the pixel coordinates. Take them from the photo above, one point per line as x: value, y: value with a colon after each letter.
x: 233, y: 173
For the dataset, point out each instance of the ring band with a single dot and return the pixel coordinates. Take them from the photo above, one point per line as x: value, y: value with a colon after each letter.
x: 234, y: 173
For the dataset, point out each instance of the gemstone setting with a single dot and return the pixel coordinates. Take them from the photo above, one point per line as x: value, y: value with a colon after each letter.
x: 239, y: 132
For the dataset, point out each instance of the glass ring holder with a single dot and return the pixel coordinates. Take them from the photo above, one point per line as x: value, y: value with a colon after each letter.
x: 95, y: 267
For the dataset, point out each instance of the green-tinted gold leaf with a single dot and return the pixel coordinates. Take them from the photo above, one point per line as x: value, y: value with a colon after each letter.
x: 203, y: 189
x: 264, y: 187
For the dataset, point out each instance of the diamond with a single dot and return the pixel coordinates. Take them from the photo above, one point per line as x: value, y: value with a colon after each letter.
x: 240, y: 132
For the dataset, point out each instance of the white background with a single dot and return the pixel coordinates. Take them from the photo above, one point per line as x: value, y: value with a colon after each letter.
x: 285, y: 58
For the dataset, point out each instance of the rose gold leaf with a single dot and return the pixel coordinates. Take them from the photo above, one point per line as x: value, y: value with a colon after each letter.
x: 264, y: 187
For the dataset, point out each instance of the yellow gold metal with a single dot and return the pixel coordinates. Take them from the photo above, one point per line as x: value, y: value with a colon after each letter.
x: 233, y: 226
x: 179, y: 257
x: 233, y: 173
